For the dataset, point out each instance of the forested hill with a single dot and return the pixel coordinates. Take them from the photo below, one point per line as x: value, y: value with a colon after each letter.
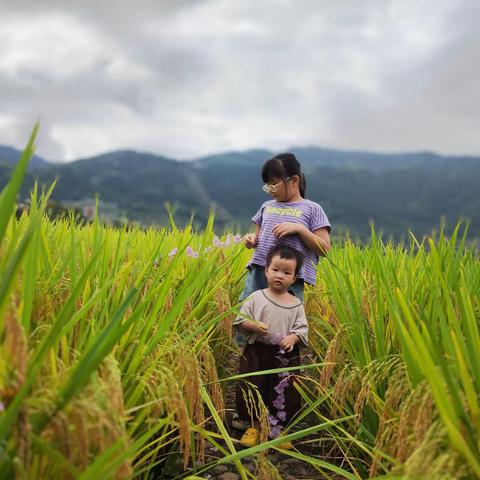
x: 396, y: 191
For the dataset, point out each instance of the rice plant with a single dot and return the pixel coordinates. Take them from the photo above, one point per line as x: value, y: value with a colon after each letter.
x: 116, y: 353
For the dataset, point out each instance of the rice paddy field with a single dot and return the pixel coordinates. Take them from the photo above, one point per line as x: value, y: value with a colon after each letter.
x: 116, y: 354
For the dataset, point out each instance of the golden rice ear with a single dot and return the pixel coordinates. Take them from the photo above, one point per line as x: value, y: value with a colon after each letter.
x: 16, y: 355
x: 405, y: 423
x: 223, y: 304
x: 266, y: 470
x: 189, y: 370
x: 209, y: 373
x: 111, y: 376
x: 257, y: 410
x: 15, y: 361
x: 93, y: 421
x: 347, y: 385
x: 169, y: 300
x: 175, y: 403
x: 434, y: 458
x: 361, y: 401
x: 331, y: 359
x: 410, y: 423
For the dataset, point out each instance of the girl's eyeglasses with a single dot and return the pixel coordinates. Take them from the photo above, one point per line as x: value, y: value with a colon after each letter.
x: 272, y: 188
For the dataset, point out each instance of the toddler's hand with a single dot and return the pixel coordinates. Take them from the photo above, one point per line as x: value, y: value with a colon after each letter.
x: 250, y: 240
x: 289, y: 342
x: 262, y: 328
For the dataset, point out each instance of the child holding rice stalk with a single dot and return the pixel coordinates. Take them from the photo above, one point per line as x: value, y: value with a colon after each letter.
x: 274, y: 323
x: 291, y: 219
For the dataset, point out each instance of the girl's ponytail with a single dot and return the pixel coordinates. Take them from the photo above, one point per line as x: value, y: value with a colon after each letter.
x: 302, y: 186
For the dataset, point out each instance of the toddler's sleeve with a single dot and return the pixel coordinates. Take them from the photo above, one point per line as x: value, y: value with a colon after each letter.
x: 318, y: 218
x: 246, y: 312
x: 300, y: 326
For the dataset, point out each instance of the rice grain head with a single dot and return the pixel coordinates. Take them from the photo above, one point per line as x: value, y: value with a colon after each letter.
x: 331, y: 359
x: 209, y: 374
x: 434, y: 458
x: 265, y: 470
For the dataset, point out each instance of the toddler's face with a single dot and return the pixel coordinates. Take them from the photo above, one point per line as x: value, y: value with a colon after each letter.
x: 281, y: 273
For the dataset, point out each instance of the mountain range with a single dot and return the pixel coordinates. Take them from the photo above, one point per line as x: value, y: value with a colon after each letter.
x: 397, y: 192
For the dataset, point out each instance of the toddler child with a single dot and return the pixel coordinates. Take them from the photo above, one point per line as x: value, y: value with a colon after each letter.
x: 274, y: 325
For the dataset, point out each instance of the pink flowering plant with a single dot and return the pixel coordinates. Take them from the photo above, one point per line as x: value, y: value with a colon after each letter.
x: 229, y: 240
x: 191, y: 253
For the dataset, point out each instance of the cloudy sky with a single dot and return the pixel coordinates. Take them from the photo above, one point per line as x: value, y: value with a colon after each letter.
x: 185, y: 78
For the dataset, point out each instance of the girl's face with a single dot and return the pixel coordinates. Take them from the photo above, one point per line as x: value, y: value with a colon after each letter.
x: 282, y: 190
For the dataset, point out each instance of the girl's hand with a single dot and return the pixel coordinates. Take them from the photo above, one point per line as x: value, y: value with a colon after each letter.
x: 250, y: 240
x: 286, y: 228
x: 289, y: 342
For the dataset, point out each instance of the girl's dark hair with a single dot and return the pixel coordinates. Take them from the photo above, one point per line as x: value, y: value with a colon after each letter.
x: 285, y: 251
x: 282, y: 166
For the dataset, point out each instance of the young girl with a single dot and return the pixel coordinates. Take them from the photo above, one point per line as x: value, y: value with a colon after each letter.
x: 275, y: 325
x: 288, y: 218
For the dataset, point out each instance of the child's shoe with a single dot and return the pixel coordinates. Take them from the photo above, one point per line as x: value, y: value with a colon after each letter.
x: 238, y: 423
x: 250, y: 438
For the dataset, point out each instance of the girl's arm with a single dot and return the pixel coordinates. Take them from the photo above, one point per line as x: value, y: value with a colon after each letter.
x: 318, y: 241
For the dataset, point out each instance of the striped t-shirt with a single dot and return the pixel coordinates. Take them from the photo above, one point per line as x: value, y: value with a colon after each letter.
x: 271, y: 213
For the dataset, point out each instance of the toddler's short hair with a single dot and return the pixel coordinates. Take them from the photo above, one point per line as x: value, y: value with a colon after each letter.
x: 285, y: 251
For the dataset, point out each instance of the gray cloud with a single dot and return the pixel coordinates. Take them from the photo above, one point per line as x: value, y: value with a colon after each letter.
x: 184, y: 78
